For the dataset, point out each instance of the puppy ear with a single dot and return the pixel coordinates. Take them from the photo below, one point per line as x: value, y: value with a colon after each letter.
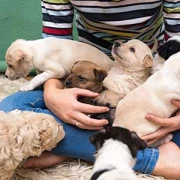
x: 100, y: 74
x: 137, y: 144
x: 23, y: 56
x: 148, y: 61
x: 97, y: 139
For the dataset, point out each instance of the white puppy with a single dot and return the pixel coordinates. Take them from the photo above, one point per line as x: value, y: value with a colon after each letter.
x: 51, y: 57
x: 133, y: 60
x: 116, y: 153
x: 154, y: 97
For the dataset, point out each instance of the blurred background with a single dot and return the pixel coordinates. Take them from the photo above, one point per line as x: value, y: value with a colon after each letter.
x: 18, y: 20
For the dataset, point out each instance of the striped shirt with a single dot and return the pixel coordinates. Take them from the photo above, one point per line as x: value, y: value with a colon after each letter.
x: 101, y: 23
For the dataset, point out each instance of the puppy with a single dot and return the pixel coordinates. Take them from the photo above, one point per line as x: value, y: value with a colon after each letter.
x: 51, y: 57
x: 131, y: 68
x: 88, y: 75
x: 154, y: 97
x: 25, y: 134
x: 164, y: 51
x: 116, y: 152
x: 110, y: 99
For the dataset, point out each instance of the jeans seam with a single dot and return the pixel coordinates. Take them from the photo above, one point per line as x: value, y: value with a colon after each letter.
x: 153, y: 154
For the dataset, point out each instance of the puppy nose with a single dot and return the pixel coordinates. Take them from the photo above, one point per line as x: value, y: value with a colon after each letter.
x: 6, y: 76
x: 117, y: 44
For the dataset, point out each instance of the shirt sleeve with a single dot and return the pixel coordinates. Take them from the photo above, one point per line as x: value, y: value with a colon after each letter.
x: 57, y: 18
x: 172, y: 17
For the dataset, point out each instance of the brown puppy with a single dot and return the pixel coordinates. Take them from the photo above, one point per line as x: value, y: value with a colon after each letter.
x: 131, y: 68
x: 86, y: 75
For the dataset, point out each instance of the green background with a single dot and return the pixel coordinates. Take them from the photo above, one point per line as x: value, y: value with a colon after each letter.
x: 19, y: 19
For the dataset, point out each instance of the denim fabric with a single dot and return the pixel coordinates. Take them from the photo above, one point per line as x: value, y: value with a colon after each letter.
x: 76, y: 143
x: 146, y: 160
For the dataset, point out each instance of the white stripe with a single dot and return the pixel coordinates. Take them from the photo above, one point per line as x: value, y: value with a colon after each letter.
x: 127, y: 22
x: 57, y: 13
x: 57, y: 25
x: 173, y: 21
x: 110, y: 3
x: 119, y: 9
x: 172, y: 34
x: 173, y: 15
x: 57, y: 6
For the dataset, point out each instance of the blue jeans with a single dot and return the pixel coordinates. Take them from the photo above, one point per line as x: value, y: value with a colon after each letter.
x: 76, y: 142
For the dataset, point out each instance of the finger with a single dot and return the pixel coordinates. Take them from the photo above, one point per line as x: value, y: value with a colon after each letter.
x: 150, y: 136
x: 152, y: 141
x: 82, y: 126
x: 85, y: 92
x: 87, y: 121
x: 89, y: 109
x: 158, y: 120
x: 176, y: 103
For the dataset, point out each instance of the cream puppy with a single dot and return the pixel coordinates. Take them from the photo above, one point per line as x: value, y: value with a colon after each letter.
x: 51, y: 57
x: 154, y: 97
x: 25, y: 134
x: 133, y: 60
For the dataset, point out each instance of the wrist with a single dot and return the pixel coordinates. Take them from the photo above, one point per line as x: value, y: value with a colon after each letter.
x: 51, y: 85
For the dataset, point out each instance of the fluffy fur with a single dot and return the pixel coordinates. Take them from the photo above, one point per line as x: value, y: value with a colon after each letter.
x: 164, y: 51
x: 51, y: 57
x: 116, y: 151
x: 25, y: 134
x: 133, y: 60
x: 154, y: 97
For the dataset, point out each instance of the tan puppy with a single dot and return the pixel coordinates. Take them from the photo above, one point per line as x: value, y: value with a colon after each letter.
x: 154, y: 97
x: 131, y: 68
x: 86, y: 75
x: 25, y: 134
x: 51, y: 57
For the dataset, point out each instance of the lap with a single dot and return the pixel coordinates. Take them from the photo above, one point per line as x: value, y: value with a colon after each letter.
x: 76, y: 141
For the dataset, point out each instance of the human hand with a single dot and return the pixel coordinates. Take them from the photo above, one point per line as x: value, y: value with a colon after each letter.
x: 63, y: 103
x: 167, y: 125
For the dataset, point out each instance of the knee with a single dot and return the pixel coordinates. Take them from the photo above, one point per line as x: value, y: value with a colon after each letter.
x: 20, y: 100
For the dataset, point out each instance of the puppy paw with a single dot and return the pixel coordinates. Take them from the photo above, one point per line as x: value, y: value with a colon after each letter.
x: 26, y: 88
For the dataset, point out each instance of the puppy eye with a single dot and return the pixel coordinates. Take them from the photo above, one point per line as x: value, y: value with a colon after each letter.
x: 10, y: 66
x: 81, y: 78
x: 132, y: 49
